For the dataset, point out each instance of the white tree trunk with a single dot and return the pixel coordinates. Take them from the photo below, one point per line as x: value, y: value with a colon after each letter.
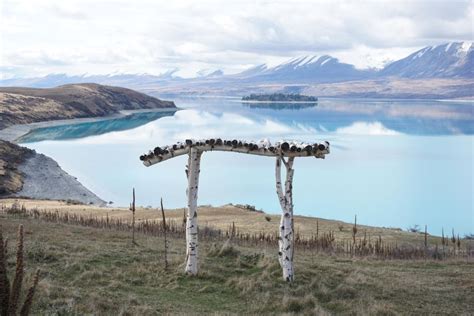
x: 194, y: 163
x: 286, y: 238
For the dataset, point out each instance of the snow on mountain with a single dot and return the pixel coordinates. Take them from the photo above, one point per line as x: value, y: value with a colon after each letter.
x: 308, y: 69
x: 253, y: 71
x: 450, y: 60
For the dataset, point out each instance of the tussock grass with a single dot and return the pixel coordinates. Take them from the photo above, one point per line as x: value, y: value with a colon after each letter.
x: 360, y: 246
x: 95, y: 271
x: 91, y: 270
x: 227, y: 250
x: 223, y: 217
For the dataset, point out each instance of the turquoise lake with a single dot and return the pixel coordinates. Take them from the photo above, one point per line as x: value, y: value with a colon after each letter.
x: 394, y: 163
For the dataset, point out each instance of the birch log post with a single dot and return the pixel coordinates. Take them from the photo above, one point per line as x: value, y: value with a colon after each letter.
x: 286, y: 236
x: 194, y: 163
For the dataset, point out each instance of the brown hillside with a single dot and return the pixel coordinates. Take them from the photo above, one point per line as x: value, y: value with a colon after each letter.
x: 27, y: 105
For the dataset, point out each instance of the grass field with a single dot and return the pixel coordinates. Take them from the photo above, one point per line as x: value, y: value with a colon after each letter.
x: 224, y: 216
x: 98, y: 271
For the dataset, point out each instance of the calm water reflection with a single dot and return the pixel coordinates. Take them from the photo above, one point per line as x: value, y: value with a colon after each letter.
x: 393, y: 163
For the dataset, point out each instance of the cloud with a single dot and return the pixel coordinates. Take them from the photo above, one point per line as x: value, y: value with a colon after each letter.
x: 366, y: 128
x: 189, y: 124
x: 154, y: 36
x: 65, y: 12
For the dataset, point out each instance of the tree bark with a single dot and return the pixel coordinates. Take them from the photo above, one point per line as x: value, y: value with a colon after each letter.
x: 194, y: 163
x: 286, y: 238
x: 263, y: 148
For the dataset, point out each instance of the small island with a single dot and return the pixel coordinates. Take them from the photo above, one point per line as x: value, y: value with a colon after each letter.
x: 280, y: 97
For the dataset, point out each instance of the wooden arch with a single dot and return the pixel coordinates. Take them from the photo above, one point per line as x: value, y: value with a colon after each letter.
x: 280, y: 150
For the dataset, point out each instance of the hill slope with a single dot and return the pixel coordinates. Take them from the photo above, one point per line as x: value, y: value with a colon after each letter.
x: 28, y: 105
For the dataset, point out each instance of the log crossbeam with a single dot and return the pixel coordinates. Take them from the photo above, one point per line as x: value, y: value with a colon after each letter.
x: 281, y: 150
x: 261, y: 148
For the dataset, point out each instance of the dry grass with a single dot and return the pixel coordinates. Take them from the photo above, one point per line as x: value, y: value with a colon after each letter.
x: 360, y: 244
x: 22, y: 109
x: 224, y: 216
x: 96, y: 271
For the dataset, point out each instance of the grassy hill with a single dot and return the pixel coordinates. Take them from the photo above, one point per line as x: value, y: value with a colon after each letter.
x: 99, y: 271
x: 28, y: 105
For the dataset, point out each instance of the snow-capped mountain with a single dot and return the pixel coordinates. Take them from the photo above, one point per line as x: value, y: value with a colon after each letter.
x: 449, y: 60
x: 307, y: 69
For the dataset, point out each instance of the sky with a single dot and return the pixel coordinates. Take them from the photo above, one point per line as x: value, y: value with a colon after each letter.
x: 39, y: 37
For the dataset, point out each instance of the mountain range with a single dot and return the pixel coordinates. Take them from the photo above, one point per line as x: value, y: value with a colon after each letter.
x: 442, y: 62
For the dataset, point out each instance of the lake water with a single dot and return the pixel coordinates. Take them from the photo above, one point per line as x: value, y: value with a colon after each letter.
x: 393, y: 163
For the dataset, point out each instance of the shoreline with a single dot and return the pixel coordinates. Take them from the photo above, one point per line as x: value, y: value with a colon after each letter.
x: 43, y: 177
x: 14, y: 132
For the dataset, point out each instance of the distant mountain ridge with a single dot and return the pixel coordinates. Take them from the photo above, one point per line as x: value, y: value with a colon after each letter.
x: 453, y: 60
x: 450, y: 60
x: 307, y: 69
